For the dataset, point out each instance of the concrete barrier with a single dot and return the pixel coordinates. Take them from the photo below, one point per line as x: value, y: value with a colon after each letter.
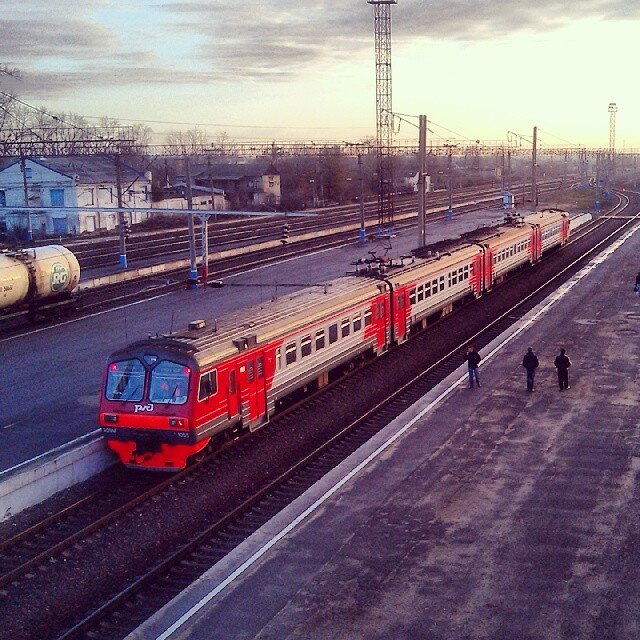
x: 31, y: 482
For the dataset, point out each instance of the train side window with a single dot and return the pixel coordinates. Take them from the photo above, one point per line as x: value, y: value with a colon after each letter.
x: 412, y: 296
x: 305, y: 346
x: 357, y: 323
x: 208, y: 385
x: 420, y: 293
x: 278, y: 359
x: 367, y: 318
x: 345, y: 328
x: 441, y: 283
x: 434, y: 287
x: 260, y: 366
x: 320, y: 339
x: 427, y: 290
x: 291, y: 353
x: 333, y: 333
x: 251, y: 371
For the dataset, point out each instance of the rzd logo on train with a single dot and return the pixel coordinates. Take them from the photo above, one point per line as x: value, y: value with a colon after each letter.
x: 59, y: 277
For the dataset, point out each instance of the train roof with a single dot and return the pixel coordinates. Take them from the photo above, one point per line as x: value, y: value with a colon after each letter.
x: 238, y: 330
x: 483, y: 235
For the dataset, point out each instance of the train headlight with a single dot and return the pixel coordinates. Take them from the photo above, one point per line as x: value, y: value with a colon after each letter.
x: 110, y: 417
x: 176, y: 422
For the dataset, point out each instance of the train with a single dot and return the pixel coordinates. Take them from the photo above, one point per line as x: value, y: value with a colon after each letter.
x: 165, y: 398
x: 38, y: 278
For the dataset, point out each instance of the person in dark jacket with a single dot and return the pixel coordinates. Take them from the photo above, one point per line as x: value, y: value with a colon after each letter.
x: 530, y: 363
x: 472, y: 358
x: 637, y: 287
x: 562, y: 364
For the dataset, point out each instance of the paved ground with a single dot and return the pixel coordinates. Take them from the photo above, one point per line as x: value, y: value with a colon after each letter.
x: 488, y: 513
x: 50, y: 379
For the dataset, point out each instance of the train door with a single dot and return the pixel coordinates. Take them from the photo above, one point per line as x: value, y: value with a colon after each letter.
x: 477, y: 274
x: 233, y: 391
x: 400, y: 313
x: 256, y: 390
x: 536, y: 243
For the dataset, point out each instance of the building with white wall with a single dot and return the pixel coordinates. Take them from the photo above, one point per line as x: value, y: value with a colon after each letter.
x: 75, y: 194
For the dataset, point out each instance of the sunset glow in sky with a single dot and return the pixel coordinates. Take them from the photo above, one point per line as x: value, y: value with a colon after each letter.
x: 275, y: 69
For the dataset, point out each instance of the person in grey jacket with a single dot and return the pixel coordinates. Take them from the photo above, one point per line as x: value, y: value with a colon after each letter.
x: 562, y: 364
x: 530, y: 363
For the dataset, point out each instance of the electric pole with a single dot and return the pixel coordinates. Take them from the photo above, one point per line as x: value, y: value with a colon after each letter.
x: 422, y: 196
x: 534, y: 172
x: 613, y: 109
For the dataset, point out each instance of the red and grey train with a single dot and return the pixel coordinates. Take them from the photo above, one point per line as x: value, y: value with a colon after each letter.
x: 165, y: 398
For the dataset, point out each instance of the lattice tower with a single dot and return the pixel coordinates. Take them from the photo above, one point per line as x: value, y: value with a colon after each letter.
x: 384, y: 111
x: 613, y: 109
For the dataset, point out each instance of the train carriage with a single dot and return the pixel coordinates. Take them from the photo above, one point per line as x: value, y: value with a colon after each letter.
x: 432, y: 286
x: 164, y: 398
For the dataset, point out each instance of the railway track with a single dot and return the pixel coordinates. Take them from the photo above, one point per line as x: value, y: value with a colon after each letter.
x: 250, y: 509
x: 225, y: 234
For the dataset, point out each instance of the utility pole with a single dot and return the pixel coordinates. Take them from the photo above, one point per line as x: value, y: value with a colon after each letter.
x: 192, y: 281
x: 597, y: 203
x: 363, y: 233
x: 534, y: 168
x: 450, y: 148
x: 422, y: 159
x: 25, y: 187
x: 121, y: 225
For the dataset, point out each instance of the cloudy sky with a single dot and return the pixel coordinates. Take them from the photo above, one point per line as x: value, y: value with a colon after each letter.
x: 288, y: 69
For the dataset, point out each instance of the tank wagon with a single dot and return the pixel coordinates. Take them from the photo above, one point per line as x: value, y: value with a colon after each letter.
x: 35, y: 278
x: 165, y: 398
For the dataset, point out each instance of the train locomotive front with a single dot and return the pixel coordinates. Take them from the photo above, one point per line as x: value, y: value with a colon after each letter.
x: 146, y: 407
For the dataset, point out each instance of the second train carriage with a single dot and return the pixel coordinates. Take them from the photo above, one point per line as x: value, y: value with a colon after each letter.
x: 165, y: 398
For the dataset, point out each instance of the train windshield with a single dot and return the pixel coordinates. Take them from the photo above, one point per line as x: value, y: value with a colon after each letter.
x: 125, y: 381
x: 169, y: 383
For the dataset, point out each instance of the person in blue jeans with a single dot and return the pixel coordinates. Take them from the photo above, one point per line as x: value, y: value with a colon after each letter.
x: 472, y: 358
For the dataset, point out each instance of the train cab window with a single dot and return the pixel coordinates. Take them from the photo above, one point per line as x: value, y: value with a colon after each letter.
x: 345, y: 328
x: 251, y: 371
x: 305, y: 346
x: 357, y: 323
x: 333, y: 333
x: 208, y: 385
x: 125, y: 380
x: 320, y: 339
x: 169, y: 383
x: 412, y: 296
x: 367, y: 318
x: 260, y: 366
x: 291, y: 353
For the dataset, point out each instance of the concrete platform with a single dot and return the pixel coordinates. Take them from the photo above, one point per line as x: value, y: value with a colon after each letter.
x: 488, y: 513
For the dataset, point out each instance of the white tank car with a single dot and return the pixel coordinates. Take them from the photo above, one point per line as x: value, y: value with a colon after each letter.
x: 37, y: 276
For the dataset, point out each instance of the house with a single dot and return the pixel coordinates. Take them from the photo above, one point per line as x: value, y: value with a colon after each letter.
x: 247, y: 185
x: 175, y: 197
x: 75, y: 193
x: 410, y: 183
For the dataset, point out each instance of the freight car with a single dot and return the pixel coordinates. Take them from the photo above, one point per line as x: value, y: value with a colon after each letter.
x: 32, y: 279
x: 166, y: 397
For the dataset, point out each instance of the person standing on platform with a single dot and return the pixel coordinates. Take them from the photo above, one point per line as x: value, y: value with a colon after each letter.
x: 562, y: 364
x: 637, y: 287
x: 472, y: 358
x: 530, y: 363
